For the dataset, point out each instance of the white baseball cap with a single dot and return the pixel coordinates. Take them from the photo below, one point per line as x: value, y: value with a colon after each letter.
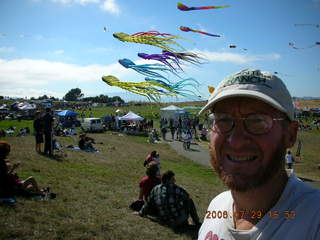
x: 256, y: 84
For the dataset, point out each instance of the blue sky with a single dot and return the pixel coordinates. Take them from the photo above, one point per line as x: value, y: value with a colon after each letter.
x: 51, y: 46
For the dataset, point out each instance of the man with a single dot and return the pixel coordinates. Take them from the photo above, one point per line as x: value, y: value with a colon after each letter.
x: 170, y: 203
x: 252, y: 127
x: 47, y: 128
x: 38, y: 130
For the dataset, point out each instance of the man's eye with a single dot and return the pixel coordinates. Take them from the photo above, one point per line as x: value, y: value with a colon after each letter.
x: 224, y: 120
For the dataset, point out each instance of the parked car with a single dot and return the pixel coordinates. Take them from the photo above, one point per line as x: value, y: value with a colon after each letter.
x: 92, y: 125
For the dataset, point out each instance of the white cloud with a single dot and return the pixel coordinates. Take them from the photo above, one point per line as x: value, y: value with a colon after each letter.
x: 28, y: 92
x: 7, y: 49
x: 30, y: 72
x: 234, y: 57
x: 82, y: 2
x: 111, y: 7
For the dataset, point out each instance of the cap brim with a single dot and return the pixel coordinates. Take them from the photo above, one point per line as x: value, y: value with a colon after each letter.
x: 243, y: 93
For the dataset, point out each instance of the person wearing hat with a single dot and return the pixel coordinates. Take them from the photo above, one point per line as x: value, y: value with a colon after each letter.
x: 253, y: 126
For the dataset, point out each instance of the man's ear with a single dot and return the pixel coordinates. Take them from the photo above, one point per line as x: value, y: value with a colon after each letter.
x: 291, y: 133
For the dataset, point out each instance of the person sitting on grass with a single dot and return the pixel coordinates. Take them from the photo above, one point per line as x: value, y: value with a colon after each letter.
x: 153, y: 136
x: 10, y: 183
x: 170, y: 204
x: 150, y: 157
x: 146, y: 184
x: 85, y: 143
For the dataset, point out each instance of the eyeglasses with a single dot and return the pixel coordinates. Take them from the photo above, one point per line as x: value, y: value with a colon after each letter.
x: 256, y: 123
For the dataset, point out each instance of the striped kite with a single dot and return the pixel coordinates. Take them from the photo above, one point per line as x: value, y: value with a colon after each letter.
x: 187, y: 29
x: 183, y: 7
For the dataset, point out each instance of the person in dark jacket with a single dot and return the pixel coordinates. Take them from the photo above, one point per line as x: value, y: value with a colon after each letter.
x: 47, y: 128
x: 38, y: 131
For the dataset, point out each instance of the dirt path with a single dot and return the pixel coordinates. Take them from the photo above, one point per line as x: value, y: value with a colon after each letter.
x: 196, y: 153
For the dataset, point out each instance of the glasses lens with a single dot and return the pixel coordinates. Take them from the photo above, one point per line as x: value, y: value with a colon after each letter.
x: 258, y: 123
x: 222, y: 122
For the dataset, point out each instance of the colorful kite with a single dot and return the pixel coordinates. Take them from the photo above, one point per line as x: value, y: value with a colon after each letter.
x: 151, y: 33
x: 146, y: 89
x: 169, y: 60
x: 310, y: 46
x: 164, y: 41
x: 183, y: 7
x: 211, y: 89
x: 186, y: 56
x: 179, y: 87
x: 146, y: 69
x: 187, y: 29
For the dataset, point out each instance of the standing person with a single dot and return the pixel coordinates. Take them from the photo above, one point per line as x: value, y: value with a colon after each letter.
x: 170, y: 203
x: 47, y: 128
x: 253, y: 125
x: 289, y: 159
x: 172, y: 127
x: 164, y: 132
x: 38, y: 130
x: 299, y: 148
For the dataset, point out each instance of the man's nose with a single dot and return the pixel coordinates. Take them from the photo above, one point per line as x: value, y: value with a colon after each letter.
x: 238, y: 137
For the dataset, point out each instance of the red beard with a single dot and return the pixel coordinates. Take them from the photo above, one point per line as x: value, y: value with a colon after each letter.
x: 241, y: 182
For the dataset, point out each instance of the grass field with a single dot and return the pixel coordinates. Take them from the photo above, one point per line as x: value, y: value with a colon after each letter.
x: 94, y: 190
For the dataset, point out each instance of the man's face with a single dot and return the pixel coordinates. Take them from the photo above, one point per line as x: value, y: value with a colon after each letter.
x: 245, y: 161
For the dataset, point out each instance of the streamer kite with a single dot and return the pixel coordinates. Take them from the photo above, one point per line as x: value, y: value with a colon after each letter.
x: 187, y: 29
x: 146, y: 69
x: 164, y: 41
x: 146, y: 89
x: 183, y: 7
x: 186, y: 56
x: 169, y: 60
x: 310, y: 46
x: 179, y: 87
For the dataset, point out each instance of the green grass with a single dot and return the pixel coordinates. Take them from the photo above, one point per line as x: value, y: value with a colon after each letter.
x: 95, y: 189
x: 307, y: 166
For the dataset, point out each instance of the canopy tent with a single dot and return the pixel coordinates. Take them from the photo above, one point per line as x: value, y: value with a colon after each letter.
x: 181, y: 112
x: 131, y: 116
x: 170, y: 112
x: 67, y: 113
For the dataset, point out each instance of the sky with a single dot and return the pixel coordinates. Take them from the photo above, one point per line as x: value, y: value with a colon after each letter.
x: 51, y: 46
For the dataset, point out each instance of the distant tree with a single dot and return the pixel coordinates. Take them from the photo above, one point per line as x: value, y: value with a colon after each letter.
x: 43, y: 97
x: 1, y: 97
x: 73, y: 95
x: 53, y: 98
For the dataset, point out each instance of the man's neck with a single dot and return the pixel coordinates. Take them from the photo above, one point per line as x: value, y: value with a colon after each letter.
x: 250, y: 206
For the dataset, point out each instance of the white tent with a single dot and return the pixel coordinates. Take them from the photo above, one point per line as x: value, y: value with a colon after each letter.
x: 169, y: 112
x: 131, y: 116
